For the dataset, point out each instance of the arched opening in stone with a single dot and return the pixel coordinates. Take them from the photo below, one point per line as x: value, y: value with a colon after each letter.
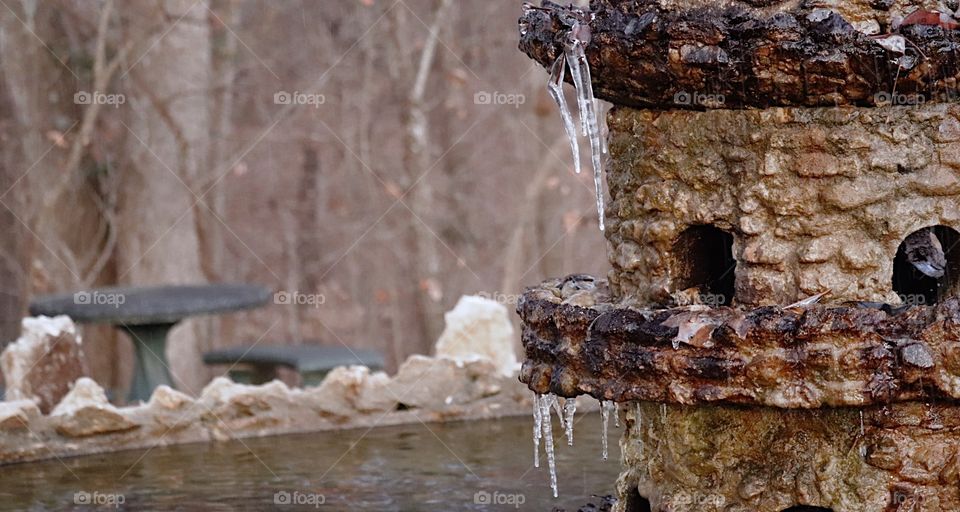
x: 927, y: 269
x: 636, y: 503
x: 703, y: 258
x: 807, y: 508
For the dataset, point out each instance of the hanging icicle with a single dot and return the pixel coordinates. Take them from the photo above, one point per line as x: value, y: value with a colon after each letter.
x: 537, y: 429
x: 590, y: 125
x: 580, y: 72
x: 863, y: 441
x: 569, y: 409
x: 616, y: 415
x: 555, y: 87
x: 605, y: 418
x: 640, y: 426
x: 555, y: 403
x: 548, y: 443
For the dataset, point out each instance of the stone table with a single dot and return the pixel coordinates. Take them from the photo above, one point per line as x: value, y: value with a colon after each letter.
x: 147, y: 314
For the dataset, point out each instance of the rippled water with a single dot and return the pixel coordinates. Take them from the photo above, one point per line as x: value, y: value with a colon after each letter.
x: 414, y: 467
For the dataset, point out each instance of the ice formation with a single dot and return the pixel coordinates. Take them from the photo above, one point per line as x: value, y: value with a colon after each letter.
x: 569, y: 409
x: 575, y: 58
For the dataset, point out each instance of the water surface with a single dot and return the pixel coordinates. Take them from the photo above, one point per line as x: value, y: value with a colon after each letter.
x: 436, y: 467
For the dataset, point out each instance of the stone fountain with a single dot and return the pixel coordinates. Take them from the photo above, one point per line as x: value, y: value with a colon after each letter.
x: 764, y: 332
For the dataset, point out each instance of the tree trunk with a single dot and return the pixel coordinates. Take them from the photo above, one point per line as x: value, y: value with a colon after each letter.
x: 158, y: 241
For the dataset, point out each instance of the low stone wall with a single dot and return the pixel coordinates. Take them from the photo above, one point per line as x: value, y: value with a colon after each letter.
x: 425, y: 389
x: 50, y: 412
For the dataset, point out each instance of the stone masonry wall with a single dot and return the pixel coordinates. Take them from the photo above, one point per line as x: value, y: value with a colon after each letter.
x: 816, y: 199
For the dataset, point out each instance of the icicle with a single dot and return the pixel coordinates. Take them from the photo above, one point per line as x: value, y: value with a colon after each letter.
x: 640, y: 426
x: 616, y: 415
x: 537, y: 429
x: 548, y: 444
x: 863, y: 442
x: 555, y: 87
x: 580, y: 71
x: 605, y: 415
x: 604, y: 131
x: 555, y: 403
x: 569, y: 409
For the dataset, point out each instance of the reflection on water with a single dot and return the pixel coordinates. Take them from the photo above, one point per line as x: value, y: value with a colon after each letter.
x: 457, y: 466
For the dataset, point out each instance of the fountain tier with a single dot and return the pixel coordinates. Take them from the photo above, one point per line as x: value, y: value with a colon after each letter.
x: 770, y: 329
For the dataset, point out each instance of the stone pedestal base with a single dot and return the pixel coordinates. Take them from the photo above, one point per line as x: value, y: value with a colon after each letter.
x: 756, y: 459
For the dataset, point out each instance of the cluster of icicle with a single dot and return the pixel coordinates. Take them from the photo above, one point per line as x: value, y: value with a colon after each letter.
x: 575, y: 58
x: 543, y: 428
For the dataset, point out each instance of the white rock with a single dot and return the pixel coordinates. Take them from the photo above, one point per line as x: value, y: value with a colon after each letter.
x: 376, y: 394
x: 44, y: 361
x: 436, y: 383
x: 479, y: 328
x: 340, y: 391
x: 85, y: 411
x: 165, y: 397
x: 18, y: 414
x: 224, y: 392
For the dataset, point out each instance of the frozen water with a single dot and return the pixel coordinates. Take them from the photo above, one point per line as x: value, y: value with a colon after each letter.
x: 555, y: 87
x: 605, y: 415
x: 555, y: 403
x: 580, y: 72
x: 548, y: 443
x: 569, y: 409
x: 537, y: 429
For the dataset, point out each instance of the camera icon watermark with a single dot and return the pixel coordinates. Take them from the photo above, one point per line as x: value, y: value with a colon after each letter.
x: 499, y: 98
x: 99, y: 98
x: 99, y: 499
x: 713, y: 299
x: 887, y: 99
x: 698, y: 99
x: 299, y: 98
x: 498, y: 498
x: 507, y: 299
x: 96, y: 298
x: 296, y: 298
x: 686, y: 499
x: 913, y: 299
x: 299, y: 498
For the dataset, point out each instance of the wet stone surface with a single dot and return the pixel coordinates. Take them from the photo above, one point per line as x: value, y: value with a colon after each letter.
x: 580, y: 340
x: 815, y: 199
x: 902, y: 457
x: 674, y: 54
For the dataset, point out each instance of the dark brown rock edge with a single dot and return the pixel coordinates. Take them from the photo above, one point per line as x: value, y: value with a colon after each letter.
x: 578, y: 340
x: 644, y: 54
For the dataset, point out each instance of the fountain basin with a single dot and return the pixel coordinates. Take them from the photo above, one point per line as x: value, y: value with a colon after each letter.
x: 580, y: 340
x: 663, y: 54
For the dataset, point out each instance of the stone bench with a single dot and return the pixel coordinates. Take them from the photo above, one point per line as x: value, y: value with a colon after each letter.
x: 309, y: 363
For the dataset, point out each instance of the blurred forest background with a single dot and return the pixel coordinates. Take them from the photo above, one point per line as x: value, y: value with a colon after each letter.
x: 143, y: 142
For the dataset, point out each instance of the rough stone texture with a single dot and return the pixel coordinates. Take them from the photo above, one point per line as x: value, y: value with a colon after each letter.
x: 42, y: 363
x: 801, y: 357
x: 479, y: 328
x: 85, y: 411
x: 663, y: 54
x: 816, y: 199
x: 351, y: 397
x: 426, y: 382
x: 17, y: 415
x: 469, y: 380
x: 734, y: 459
